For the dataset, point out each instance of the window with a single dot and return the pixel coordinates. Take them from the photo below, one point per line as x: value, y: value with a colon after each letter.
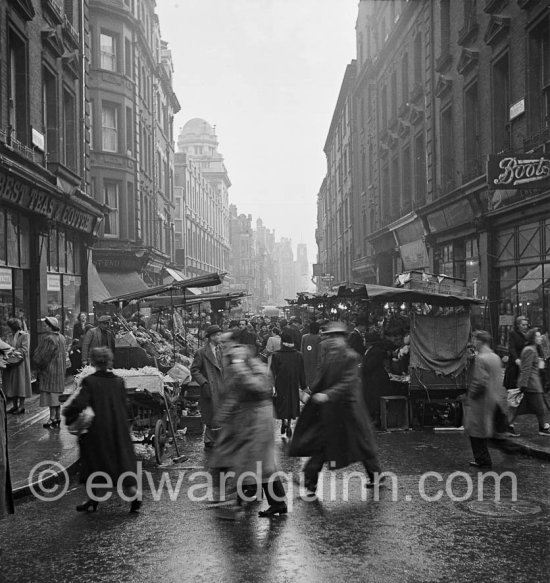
x: 539, y: 76
x: 128, y: 60
x: 501, y: 104
x: 108, y: 54
x: 471, y: 133
x: 18, y: 88
x: 111, y: 199
x: 418, y: 58
x: 447, y: 145
x: 406, y: 180
x: 395, y: 188
x: 445, y: 15
x: 50, y: 105
x: 384, y: 108
x: 109, y: 127
x: 129, y: 131
x: 394, y: 94
x: 405, y: 78
x: 419, y: 169
x: 70, y: 149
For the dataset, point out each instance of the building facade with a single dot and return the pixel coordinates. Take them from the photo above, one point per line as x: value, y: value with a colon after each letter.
x: 452, y: 99
x: 206, y: 188
x: 241, y: 264
x: 131, y: 108
x: 48, y: 221
x: 337, y: 186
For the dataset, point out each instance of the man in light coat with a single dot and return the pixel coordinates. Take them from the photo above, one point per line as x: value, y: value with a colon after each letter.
x: 97, y: 337
x: 482, y: 399
x: 207, y: 372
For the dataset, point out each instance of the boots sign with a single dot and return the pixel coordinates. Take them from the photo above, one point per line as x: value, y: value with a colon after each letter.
x: 518, y: 172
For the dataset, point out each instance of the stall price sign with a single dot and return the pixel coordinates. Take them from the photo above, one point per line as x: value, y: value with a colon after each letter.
x: 518, y: 172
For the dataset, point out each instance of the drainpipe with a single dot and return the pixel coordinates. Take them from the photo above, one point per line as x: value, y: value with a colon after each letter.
x: 82, y: 96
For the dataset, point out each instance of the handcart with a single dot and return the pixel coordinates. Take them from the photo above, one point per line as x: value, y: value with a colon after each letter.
x: 154, y: 411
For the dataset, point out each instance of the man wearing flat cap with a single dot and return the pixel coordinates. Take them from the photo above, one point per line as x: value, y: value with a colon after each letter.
x: 334, y: 426
x: 97, y: 337
x: 207, y: 372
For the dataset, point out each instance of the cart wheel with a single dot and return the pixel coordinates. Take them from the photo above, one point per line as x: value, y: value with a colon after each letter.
x: 160, y: 440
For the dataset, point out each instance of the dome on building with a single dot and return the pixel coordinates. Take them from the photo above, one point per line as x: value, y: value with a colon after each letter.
x: 197, y: 127
x: 198, y: 137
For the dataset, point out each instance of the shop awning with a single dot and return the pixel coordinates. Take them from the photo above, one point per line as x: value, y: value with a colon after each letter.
x: 396, y: 294
x: 177, y: 275
x: 97, y: 292
x: 532, y: 281
x: 207, y: 280
x: 122, y: 283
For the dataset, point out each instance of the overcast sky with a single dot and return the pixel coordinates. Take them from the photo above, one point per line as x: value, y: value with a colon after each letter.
x: 267, y: 74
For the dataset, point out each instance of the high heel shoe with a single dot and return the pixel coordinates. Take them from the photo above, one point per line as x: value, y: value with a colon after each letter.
x: 283, y: 428
x: 85, y: 506
x: 58, y: 423
x: 273, y: 510
x: 289, y: 431
x: 18, y: 411
x: 135, y: 505
x: 51, y: 424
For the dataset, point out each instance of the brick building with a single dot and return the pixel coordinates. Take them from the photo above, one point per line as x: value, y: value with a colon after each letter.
x: 48, y: 221
x: 442, y: 86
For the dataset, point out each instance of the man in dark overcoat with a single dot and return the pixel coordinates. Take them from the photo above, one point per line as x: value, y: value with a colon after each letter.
x: 376, y: 381
x: 97, y: 337
x: 356, y: 339
x: 207, y: 372
x: 334, y: 425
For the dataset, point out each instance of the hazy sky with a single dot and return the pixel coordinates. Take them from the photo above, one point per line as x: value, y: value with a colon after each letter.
x: 267, y: 74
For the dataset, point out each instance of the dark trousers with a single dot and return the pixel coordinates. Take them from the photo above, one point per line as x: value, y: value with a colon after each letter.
x: 480, y: 450
x: 276, y: 487
x: 315, y: 464
x: 533, y: 402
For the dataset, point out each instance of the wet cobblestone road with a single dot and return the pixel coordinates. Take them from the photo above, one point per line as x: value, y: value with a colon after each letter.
x: 400, y: 537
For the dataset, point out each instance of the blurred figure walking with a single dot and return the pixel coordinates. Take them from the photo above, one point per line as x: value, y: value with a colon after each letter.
x: 334, y: 425
x: 16, y: 378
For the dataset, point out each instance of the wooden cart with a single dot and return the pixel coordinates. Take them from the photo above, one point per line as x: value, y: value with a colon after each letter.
x: 154, y: 410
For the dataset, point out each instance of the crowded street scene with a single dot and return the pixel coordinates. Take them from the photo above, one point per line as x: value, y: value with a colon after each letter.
x: 334, y: 364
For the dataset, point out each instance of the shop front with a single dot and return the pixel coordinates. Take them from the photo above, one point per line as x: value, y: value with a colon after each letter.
x: 517, y: 205
x: 44, y: 236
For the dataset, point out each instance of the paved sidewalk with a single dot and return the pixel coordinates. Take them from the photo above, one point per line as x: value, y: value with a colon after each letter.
x: 30, y: 444
x: 529, y: 442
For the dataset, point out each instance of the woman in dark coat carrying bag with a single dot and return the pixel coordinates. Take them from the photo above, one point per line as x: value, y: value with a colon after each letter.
x: 334, y: 425
x: 6, y: 496
x: 287, y: 368
x: 106, y: 447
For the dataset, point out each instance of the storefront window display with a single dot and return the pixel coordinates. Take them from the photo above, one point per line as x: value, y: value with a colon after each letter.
x: 14, y: 273
x: 64, y: 281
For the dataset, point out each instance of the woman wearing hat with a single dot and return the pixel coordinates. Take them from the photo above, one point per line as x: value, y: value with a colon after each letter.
x: 16, y: 378
x: 6, y: 498
x: 49, y: 358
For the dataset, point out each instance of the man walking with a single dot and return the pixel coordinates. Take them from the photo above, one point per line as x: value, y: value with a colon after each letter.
x: 334, y: 425
x: 97, y: 337
x: 356, y: 339
x: 207, y: 372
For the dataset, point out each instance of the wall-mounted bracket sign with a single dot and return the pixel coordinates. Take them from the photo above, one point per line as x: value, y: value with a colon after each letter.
x: 518, y: 172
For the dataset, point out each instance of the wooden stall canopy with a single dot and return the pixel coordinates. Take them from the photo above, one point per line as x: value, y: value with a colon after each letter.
x: 384, y: 293
x: 207, y: 280
x: 188, y: 300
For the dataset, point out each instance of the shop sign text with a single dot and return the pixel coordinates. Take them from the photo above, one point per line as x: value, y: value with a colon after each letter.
x: 5, y: 279
x: 518, y: 172
x: 39, y: 201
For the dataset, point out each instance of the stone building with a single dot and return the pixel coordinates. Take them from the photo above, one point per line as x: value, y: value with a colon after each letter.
x: 202, y: 217
x: 131, y: 107
x: 48, y: 221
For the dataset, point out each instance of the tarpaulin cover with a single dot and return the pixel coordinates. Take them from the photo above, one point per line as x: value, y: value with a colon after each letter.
x: 438, y: 343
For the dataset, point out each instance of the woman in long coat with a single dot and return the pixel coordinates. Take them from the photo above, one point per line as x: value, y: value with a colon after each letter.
x: 246, y: 445
x: 16, y: 379
x: 287, y: 368
x: 49, y: 357
x: 530, y: 382
x: 482, y: 399
x: 107, y: 446
x: 6, y: 497
x: 334, y: 425
x: 516, y: 342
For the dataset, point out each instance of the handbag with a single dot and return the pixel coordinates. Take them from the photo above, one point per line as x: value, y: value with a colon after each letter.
x: 14, y: 358
x: 304, y: 395
x: 84, y: 420
x: 514, y: 397
x: 82, y: 423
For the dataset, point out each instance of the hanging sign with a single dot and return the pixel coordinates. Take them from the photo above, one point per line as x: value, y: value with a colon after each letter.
x: 518, y: 172
x: 6, y: 281
x: 54, y: 282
